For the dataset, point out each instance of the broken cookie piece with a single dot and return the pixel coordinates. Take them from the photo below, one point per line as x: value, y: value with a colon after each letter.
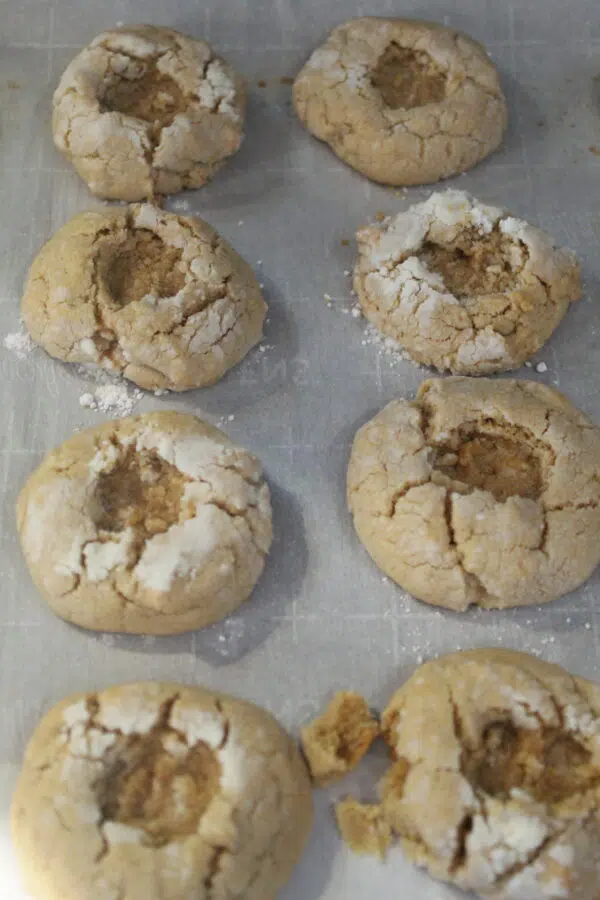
x: 363, y: 827
x: 336, y: 741
x: 500, y: 778
x: 159, y: 791
x: 481, y: 491
x: 153, y: 524
x: 401, y: 100
x: 159, y: 298
x: 144, y: 110
x: 464, y: 286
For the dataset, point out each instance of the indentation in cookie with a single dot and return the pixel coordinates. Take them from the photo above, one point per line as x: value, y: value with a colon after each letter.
x: 142, y: 491
x: 407, y: 78
x: 143, y: 265
x: 506, y: 466
x: 157, y: 784
x: 475, y: 264
x: 548, y: 764
x: 144, y: 93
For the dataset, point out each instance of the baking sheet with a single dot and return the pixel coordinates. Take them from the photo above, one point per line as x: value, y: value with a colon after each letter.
x: 322, y: 617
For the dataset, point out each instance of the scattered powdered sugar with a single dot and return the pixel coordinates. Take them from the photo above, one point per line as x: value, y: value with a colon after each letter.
x: 180, y: 205
x: 112, y: 395
x: 109, y: 396
x: 385, y: 346
x: 224, y: 420
x: 115, y: 399
x: 226, y: 638
x: 19, y: 343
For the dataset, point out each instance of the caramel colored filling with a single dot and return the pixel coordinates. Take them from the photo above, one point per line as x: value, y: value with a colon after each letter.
x: 475, y: 264
x: 162, y: 792
x: 143, y: 264
x: 545, y: 762
x: 152, y: 96
x: 143, y: 491
x: 501, y: 465
x: 407, y: 78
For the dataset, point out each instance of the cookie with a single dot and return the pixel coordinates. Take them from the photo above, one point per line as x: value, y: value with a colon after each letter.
x: 335, y: 742
x: 145, y: 110
x: 463, y: 286
x: 152, y: 524
x: 159, y: 298
x: 158, y: 792
x: 479, y: 492
x: 402, y: 101
x: 496, y: 784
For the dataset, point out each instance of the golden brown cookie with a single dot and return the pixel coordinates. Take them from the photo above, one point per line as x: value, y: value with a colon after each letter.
x: 153, y: 524
x: 402, y: 101
x: 463, y: 286
x: 144, y: 110
x: 496, y: 787
x: 158, y: 792
x: 159, y: 298
x: 479, y: 492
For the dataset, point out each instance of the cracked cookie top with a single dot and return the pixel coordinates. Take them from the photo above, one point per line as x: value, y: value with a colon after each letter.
x: 154, y: 524
x: 402, y: 101
x: 496, y: 780
x: 160, y: 298
x: 144, y: 110
x: 479, y: 492
x: 149, y: 790
x: 464, y: 286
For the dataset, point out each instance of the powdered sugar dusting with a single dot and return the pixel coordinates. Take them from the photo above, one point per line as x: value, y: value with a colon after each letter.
x: 19, y: 343
x: 115, y: 399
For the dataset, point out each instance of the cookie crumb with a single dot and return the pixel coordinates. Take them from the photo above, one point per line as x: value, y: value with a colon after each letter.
x: 363, y: 827
x: 13, y: 85
x: 262, y: 83
x: 595, y: 150
x: 336, y: 741
x: 541, y: 367
x: 380, y: 216
x: 286, y: 79
x: 345, y: 242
